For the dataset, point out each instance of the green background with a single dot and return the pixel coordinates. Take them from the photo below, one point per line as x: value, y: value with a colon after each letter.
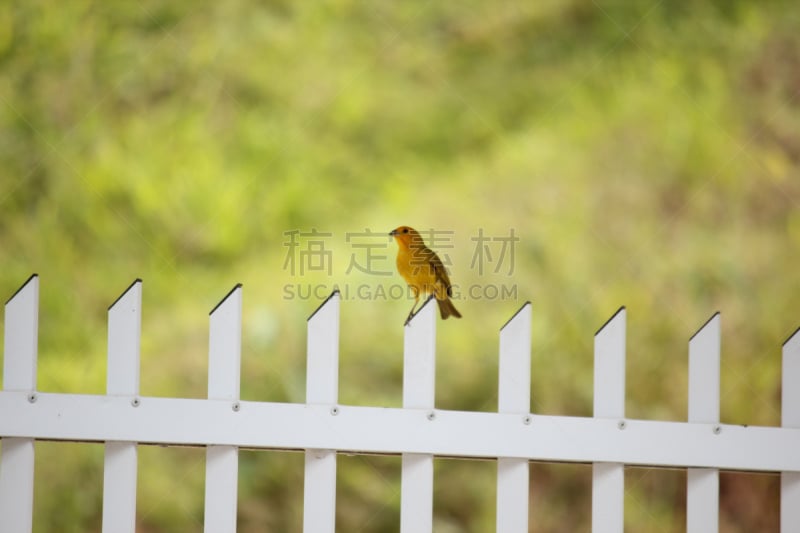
x: 646, y: 153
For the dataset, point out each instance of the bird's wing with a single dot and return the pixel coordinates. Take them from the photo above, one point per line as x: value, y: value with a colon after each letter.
x: 439, y: 271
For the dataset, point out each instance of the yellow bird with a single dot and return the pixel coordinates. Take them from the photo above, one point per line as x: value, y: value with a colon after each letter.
x: 423, y: 271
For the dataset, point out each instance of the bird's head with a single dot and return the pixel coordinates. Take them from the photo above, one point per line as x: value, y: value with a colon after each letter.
x: 406, y: 236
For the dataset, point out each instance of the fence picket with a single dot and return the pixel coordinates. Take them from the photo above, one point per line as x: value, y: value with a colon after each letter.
x: 702, y: 491
x: 322, y: 388
x: 419, y: 377
x: 122, y: 379
x: 790, y: 418
x: 19, y: 374
x: 514, y: 396
x: 608, y: 479
x: 224, y: 367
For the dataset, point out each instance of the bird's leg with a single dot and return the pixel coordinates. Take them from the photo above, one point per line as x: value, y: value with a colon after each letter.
x: 411, y: 313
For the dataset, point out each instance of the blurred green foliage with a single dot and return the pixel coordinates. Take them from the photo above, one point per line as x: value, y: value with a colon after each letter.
x: 646, y: 153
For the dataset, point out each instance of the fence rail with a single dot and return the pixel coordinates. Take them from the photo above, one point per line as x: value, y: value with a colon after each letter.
x: 418, y: 431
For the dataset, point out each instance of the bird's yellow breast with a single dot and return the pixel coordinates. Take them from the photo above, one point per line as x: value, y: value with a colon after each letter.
x: 416, y: 270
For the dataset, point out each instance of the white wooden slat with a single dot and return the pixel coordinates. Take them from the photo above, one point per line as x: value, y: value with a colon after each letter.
x: 119, y: 487
x: 416, y: 493
x: 224, y: 367
x: 392, y: 430
x: 419, y: 359
x: 790, y: 391
x: 514, y: 397
x: 512, y: 494
x: 322, y: 353
x: 222, y: 479
x: 322, y: 388
x: 20, y: 345
x: 704, y: 361
x: 514, y: 369
x: 122, y: 379
x: 608, y: 501
x: 702, y: 494
x: 20, y: 348
x: 225, y: 347
x: 608, y: 479
x: 790, y: 418
x: 609, y: 368
x: 702, y: 500
x: 419, y: 379
x: 124, y: 334
x: 16, y: 485
x: 319, y: 491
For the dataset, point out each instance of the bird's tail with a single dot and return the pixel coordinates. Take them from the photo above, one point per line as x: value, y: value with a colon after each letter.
x: 446, y: 308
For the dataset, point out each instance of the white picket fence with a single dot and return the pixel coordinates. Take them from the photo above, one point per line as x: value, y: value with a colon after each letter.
x: 418, y: 431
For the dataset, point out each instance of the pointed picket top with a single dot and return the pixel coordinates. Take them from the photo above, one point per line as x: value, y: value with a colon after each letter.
x: 613, y: 330
x: 27, y: 291
x: 611, y: 319
x: 704, y: 379
x: 335, y: 293
x: 124, y: 340
x: 794, y: 338
x: 516, y: 313
x: 125, y: 292
x: 20, y: 346
x: 224, y: 298
x: 23, y: 286
x: 705, y: 324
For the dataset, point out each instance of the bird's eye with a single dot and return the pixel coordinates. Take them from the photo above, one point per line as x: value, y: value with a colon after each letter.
x: 405, y: 230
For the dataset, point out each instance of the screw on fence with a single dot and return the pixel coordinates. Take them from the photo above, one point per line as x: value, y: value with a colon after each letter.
x: 431, y: 415
x: 135, y: 402
x: 334, y: 410
x: 236, y: 406
x: 717, y: 430
x: 621, y: 424
x: 32, y: 397
x: 527, y: 419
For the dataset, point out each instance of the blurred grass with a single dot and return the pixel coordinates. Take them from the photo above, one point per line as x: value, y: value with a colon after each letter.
x: 646, y: 153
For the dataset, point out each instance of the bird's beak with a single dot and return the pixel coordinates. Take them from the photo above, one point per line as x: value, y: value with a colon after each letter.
x: 393, y: 233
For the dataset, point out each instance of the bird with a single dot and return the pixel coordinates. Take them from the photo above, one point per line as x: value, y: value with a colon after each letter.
x: 423, y: 271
